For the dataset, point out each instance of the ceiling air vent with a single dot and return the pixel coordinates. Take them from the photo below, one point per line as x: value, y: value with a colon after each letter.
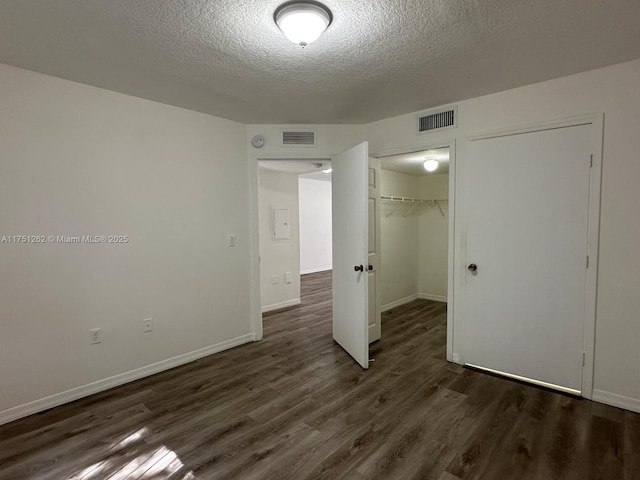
x: 440, y: 119
x: 299, y: 138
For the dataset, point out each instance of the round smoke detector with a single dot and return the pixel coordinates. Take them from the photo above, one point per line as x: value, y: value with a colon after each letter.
x: 257, y: 141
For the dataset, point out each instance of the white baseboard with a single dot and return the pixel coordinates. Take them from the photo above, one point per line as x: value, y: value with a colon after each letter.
x: 46, y: 403
x: 278, y: 306
x: 620, y: 401
x: 435, y: 298
x: 398, y: 303
x: 315, y: 270
x: 411, y: 298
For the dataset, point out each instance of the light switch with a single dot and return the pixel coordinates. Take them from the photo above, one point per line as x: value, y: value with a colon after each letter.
x: 232, y: 240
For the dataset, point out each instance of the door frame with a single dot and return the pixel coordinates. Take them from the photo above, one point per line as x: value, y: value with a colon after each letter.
x: 596, y: 120
x: 451, y: 145
x: 254, y: 233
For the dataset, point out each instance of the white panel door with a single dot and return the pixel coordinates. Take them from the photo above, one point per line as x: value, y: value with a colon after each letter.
x: 525, y: 210
x: 350, y: 198
x: 375, y: 329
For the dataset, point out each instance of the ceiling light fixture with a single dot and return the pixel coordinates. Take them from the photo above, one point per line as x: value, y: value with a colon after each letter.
x: 302, y: 22
x: 430, y: 165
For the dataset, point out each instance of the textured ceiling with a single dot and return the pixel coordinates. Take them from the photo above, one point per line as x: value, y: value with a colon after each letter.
x: 379, y: 58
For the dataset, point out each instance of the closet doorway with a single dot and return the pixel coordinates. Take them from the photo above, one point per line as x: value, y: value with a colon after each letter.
x: 414, y: 224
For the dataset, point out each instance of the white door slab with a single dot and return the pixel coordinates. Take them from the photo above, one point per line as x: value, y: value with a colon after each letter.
x: 525, y: 207
x: 350, y: 205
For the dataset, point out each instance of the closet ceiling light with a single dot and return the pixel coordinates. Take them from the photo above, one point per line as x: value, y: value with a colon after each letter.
x: 430, y: 165
x: 302, y: 22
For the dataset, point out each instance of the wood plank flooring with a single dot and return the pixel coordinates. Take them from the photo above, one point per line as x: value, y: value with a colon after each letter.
x: 295, y: 406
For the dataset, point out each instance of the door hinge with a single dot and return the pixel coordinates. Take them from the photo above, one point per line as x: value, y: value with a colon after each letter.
x: 591, y: 161
x: 587, y: 262
x: 584, y: 359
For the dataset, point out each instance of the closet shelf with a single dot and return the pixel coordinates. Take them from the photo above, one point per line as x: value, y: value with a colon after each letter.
x: 415, y: 203
x: 391, y: 198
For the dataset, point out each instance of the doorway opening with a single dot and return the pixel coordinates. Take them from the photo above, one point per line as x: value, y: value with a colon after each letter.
x: 417, y: 231
x: 414, y: 227
x: 294, y: 217
x: 356, y: 267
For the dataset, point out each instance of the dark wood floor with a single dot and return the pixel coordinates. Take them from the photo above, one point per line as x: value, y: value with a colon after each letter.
x: 295, y: 406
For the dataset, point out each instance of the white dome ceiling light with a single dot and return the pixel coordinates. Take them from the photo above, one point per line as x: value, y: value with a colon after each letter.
x: 302, y: 22
x: 430, y: 165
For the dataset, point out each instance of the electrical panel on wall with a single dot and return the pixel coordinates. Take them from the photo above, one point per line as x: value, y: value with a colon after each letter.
x: 281, y: 224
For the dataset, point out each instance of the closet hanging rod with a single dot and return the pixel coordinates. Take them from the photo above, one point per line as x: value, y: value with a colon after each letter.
x: 414, y: 202
x: 393, y: 198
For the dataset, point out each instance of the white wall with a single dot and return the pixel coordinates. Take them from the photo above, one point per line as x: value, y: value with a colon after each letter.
x: 278, y: 190
x: 414, y: 248
x: 615, y: 91
x: 433, y: 251
x: 399, y: 240
x: 331, y: 140
x: 78, y: 160
x: 315, y: 225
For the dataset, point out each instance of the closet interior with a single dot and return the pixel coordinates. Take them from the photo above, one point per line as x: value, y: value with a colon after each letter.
x: 414, y: 227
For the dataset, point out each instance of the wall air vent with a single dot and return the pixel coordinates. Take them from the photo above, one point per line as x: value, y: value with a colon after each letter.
x: 440, y: 119
x: 299, y: 138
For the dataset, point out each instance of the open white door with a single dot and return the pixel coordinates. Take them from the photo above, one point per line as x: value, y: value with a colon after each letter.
x: 350, y: 205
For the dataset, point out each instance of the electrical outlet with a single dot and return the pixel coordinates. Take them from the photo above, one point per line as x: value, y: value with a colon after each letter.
x: 95, y: 336
x: 232, y: 240
x: 148, y: 325
x: 287, y: 277
x: 275, y: 279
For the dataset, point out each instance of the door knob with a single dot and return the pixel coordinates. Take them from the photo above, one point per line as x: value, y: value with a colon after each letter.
x: 359, y: 268
x: 370, y: 268
x: 472, y: 267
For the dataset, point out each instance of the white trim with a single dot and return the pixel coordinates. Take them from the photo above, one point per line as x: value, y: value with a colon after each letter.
x: 588, y: 119
x: 458, y: 263
x: 596, y: 120
x: 411, y: 298
x: 620, y: 401
x: 281, y: 305
x: 593, y: 242
x: 451, y: 243
x: 254, y: 258
x: 398, y: 303
x: 413, y: 148
x: 526, y: 380
x: 46, y: 403
x: 433, y: 298
x: 254, y: 159
x: 316, y: 270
